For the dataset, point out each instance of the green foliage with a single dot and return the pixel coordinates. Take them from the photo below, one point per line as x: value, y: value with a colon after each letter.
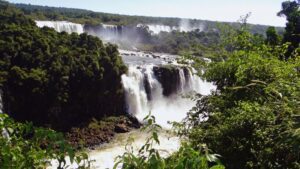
x: 175, y: 42
x: 56, y: 79
x: 25, y: 146
x: 166, y: 42
x: 272, y: 36
x: 148, y: 157
x: 290, y: 9
x: 189, y: 158
x: 251, y: 120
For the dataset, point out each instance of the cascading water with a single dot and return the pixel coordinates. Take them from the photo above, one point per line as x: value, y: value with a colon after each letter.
x: 144, y: 93
x: 106, y: 32
x: 111, y: 31
x: 184, y: 26
x: 147, y: 89
x: 156, y: 29
x: 136, y: 96
x: 145, y: 86
x: 61, y: 26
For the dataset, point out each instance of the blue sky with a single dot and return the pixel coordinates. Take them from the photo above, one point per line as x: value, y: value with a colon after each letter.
x: 262, y: 11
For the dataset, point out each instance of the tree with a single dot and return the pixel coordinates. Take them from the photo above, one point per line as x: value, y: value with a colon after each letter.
x: 26, y: 146
x: 251, y: 119
x: 290, y: 9
x: 68, y: 78
x: 272, y: 36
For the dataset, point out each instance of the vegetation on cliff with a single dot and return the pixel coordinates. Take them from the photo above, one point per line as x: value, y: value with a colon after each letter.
x: 140, y: 37
x: 56, y: 79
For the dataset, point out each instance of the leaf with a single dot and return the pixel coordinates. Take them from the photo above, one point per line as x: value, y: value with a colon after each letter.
x: 155, y: 137
x: 217, y: 167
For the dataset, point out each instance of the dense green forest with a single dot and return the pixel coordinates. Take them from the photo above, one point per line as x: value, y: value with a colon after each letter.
x: 64, y: 76
x: 88, y: 17
x: 251, y: 121
x: 142, y: 39
x: 95, y: 18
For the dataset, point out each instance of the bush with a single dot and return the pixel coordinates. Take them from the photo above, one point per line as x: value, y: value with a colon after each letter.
x: 25, y: 146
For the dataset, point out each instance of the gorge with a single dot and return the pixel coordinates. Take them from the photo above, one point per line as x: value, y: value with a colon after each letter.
x: 81, y: 89
x: 154, y: 83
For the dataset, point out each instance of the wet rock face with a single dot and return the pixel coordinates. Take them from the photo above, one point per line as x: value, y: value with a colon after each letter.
x: 169, y: 78
x: 147, y: 87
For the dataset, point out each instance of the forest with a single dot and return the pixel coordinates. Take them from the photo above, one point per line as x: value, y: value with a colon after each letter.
x: 51, y: 82
x: 172, y: 42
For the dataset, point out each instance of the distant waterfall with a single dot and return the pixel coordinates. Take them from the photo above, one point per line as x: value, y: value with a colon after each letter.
x: 183, y: 27
x: 111, y: 31
x: 106, y: 32
x: 144, y: 93
x: 156, y: 29
x: 61, y: 26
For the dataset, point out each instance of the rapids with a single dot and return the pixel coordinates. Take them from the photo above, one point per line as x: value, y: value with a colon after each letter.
x: 144, y: 94
x: 154, y: 83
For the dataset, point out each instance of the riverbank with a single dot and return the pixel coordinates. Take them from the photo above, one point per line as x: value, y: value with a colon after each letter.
x: 104, y: 156
x: 98, y: 132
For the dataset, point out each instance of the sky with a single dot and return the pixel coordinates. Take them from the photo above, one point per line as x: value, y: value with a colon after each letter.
x: 262, y: 11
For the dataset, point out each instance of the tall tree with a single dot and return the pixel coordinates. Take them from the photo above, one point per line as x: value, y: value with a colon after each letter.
x: 272, y: 36
x: 290, y: 9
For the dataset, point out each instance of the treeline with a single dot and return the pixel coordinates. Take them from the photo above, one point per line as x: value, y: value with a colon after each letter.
x: 141, y: 37
x: 88, y: 17
x: 56, y: 79
x: 175, y: 42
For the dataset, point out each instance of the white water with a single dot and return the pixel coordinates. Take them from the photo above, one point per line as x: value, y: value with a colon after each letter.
x: 115, y: 34
x: 165, y: 109
x: 156, y: 29
x: 171, y: 108
x: 61, y: 26
x: 104, y: 156
x: 184, y: 26
x: 109, y: 32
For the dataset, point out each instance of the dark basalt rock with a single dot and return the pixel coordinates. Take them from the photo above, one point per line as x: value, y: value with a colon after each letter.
x: 169, y: 78
x: 147, y: 87
x: 121, y: 128
x: 99, y: 132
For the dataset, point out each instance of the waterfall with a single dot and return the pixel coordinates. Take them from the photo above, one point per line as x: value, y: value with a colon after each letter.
x: 136, y: 96
x: 183, y: 27
x: 182, y: 80
x: 61, y: 26
x: 156, y: 29
x: 110, y: 32
x: 144, y: 93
